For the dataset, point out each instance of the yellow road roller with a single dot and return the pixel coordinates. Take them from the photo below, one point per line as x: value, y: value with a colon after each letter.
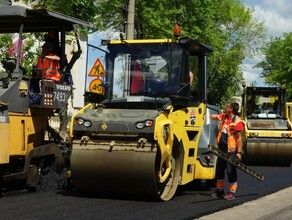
x: 146, y: 125
x: 268, y: 139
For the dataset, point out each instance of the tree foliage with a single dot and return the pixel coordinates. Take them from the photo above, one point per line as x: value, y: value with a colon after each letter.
x: 29, y: 54
x: 5, y: 43
x: 85, y: 10
x: 277, y: 64
x: 226, y: 25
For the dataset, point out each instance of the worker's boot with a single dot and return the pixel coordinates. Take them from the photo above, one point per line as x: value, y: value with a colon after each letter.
x: 229, y: 196
x: 218, y: 194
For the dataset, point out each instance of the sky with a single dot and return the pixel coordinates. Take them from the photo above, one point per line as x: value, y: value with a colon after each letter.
x: 276, y: 15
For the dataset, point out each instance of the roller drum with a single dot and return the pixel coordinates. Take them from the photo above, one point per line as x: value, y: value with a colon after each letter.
x: 268, y: 152
x: 120, y: 172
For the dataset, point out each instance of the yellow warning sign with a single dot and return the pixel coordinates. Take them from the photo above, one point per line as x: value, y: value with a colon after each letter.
x: 97, y: 69
x: 96, y: 86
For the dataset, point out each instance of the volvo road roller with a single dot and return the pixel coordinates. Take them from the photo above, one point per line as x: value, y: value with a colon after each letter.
x: 268, y: 139
x: 146, y: 125
x: 25, y: 152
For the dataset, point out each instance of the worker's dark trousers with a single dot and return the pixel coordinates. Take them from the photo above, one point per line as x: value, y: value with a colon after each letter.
x: 222, y: 165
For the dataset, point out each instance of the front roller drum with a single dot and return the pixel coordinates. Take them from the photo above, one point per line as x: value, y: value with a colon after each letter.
x: 268, y: 152
x: 122, y: 172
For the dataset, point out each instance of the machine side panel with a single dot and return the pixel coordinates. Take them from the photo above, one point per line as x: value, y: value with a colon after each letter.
x: 4, y: 135
x: 12, y: 96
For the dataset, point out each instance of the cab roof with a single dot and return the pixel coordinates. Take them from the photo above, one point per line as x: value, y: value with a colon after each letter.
x: 193, y: 46
x: 265, y: 90
x: 36, y: 20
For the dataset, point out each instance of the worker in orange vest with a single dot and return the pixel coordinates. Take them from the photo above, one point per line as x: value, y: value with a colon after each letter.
x: 230, y: 142
x: 48, y: 66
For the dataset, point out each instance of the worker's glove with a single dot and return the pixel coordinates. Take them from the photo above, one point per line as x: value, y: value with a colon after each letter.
x: 238, y: 156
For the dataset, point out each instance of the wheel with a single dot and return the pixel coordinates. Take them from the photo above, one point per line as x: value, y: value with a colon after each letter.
x: 167, y: 188
x: 33, y: 176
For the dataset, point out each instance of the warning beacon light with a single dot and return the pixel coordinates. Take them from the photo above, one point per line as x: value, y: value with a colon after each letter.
x: 243, y: 83
x: 176, y: 31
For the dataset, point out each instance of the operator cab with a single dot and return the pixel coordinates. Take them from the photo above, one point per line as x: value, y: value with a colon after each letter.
x: 154, y: 72
x: 265, y: 102
x: 265, y: 108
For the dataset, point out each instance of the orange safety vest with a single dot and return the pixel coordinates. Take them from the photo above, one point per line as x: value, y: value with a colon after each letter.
x: 50, y: 68
x: 231, y: 133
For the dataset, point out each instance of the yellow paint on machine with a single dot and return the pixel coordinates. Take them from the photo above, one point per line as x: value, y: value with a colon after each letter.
x: 188, y: 135
x: 29, y: 130
x: 4, y: 136
x: 289, y: 111
x: 203, y: 172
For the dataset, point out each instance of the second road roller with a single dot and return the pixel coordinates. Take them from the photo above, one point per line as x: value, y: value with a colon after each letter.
x: 268, y: 139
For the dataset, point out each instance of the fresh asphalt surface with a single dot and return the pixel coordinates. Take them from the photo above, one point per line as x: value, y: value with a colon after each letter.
x: 190, y: 202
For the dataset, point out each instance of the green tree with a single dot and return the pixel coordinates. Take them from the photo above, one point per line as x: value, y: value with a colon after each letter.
x: 29, y: 54
x: 226, y: 25
x: 85, y: 10
x: 277, y: 63
x: 5, y: 43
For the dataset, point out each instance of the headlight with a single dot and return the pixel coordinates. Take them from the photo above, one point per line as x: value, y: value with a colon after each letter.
x: 148, y: 123
x: 87, y: 124
x: 143, y: 124
x: 81, y: 121
x: 140, y: 125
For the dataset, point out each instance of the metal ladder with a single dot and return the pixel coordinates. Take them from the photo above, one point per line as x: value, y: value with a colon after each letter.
x: 235, y: 162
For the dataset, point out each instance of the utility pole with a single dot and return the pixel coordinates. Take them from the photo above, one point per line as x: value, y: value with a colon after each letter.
x: 130, y: 20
